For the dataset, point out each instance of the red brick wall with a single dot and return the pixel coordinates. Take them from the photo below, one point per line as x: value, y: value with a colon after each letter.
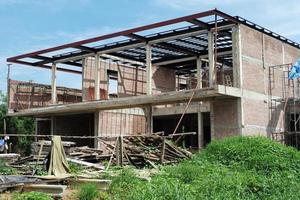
x: 260, y: 50
x: 131, y: 80
x: 122, y: 122
x: 224, y: 118
x: 24, y: 95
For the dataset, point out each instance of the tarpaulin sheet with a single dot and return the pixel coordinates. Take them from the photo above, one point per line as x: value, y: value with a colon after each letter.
x: 58, y: 161
x: 295, y: 71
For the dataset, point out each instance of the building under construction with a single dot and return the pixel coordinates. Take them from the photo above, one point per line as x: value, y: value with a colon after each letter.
x: 209, y: 73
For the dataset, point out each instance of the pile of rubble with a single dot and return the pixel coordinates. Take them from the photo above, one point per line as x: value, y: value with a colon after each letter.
x: 139, y: 151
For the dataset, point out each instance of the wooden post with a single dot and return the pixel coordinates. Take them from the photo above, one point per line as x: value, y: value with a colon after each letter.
x: 211, y: 59
x: 199, y: 73
x: 121, y: 146
x: 163, y: 147
x: 97, y: 78
x: 53, y: 84
x: 149, y: 69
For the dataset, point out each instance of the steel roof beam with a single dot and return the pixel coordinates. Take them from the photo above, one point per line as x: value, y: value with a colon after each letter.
x: 199, y: 23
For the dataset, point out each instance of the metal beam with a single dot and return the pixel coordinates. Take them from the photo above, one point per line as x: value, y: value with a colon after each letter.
x: 116, y: 34
x: 199, y: 23
x: 47, y: 67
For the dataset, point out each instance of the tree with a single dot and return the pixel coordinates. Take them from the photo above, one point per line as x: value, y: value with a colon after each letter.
x: 16, y: 125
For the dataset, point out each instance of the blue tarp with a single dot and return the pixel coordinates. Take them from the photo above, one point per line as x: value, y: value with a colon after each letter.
x: 295, y: 71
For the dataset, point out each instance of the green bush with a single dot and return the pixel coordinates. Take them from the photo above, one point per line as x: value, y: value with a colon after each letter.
x: 258, y: 153
x: 32, y: 196
x: 88, y: 191
x: 233, y: 168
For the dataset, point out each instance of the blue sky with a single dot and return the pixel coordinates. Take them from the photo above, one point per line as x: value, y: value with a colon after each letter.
x: 29, y: 25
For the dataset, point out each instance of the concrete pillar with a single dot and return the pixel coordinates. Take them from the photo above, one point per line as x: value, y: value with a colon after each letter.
x: 199, y: 73
x: 97, y: 127
x: 149, y: 119
x: 236, y: 57
x: 211, y: 59
x: 149, y: 69
x: 53, y: 84
x: 200, y: 130
x: 83, y: 79
x: 52, y: 131
x: 97, y: 78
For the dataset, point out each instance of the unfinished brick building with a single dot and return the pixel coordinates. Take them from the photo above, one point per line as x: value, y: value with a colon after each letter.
x: 209, y: 71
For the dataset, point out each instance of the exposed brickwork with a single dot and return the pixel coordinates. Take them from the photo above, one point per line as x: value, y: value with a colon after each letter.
x: 24, y: 95
x: 225, y: 117
x: 259, y: 51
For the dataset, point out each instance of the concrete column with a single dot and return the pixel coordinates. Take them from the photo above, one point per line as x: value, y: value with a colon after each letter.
x: 97, y: 127
x: 199, y: 73
x: 236, y: 57
x: 211, y: 59
x: 149, y: 68
x: 97, y: 78
x: 200, y: 130
x: 52, y: 131
x: 149, y: 119
x: 83, y: 88
x: 53, y: 84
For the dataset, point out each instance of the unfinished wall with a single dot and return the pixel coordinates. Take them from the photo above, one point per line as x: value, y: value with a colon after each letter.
x: 225, y: 118
x: 24, y: 95
x: 259, y: 51
x: 122, y: 122
x: 131, y: 80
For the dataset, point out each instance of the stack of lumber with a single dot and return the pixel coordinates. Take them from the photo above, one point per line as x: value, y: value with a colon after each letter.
x: 143, y: 151
x: 139, y: 151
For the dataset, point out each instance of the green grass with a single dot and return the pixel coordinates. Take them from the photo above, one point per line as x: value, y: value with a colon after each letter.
x: 232, y: 168
x: 88, y: 191
x: 31, y: 196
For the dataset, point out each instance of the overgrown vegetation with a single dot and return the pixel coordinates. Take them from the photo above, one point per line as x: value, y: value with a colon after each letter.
x: 233, y: 168
x: 16, y: 125
x: 31, y: 196
x: 75, y: 169
x: 5, y: 170
x: 88, y: 191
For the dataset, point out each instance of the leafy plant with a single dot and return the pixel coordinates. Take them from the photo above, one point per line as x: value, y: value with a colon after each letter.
x: 32, y: 196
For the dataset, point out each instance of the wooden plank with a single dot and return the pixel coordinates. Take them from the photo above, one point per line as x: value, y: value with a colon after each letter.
x: 163, y: 146
x: 87, y: 164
